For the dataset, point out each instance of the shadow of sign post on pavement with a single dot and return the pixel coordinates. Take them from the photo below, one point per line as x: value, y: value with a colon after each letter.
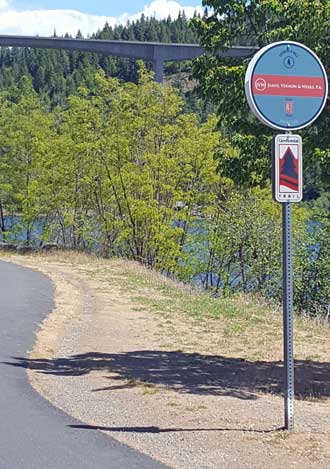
x: 286, y: 88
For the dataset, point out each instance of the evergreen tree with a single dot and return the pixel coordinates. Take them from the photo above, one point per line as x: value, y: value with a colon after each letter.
x: 56, y: 74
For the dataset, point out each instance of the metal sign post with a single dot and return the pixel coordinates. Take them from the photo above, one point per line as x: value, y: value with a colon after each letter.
x: 288, y: 316
x: 287, y: 188
x: 286, y: 88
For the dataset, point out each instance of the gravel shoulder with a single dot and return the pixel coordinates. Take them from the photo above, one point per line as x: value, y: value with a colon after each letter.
x: 184, y: 391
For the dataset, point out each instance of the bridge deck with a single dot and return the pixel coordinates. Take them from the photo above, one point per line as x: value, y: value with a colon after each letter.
x: 154, y: 52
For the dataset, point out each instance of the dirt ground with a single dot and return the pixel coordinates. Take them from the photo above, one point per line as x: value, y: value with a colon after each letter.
x: 184, y: 391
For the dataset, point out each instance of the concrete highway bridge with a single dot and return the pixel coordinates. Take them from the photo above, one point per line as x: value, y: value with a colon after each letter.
x: 156, y: 53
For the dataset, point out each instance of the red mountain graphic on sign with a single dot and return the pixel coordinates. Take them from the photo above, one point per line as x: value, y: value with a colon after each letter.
x: 289, y: 170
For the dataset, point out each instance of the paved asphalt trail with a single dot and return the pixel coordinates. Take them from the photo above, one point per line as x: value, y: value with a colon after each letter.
x: 33, y: 433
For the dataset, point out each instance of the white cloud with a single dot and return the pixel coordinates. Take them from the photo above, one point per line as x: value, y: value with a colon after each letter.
x: 4, y: 4
x: 44, y: 22
x: 162, y: 9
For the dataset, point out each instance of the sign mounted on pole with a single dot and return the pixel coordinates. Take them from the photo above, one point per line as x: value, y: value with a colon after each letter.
x: 287, y: 168
x: 286, y: 88
x: 286, y: 85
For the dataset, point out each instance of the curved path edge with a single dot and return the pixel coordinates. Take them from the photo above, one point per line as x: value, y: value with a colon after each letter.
x: 37, y: 434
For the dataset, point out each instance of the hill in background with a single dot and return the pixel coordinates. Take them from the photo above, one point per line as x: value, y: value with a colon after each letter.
x: 56, y: 74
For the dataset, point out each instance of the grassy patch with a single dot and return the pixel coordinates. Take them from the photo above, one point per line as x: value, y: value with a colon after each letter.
x: 241, y: 325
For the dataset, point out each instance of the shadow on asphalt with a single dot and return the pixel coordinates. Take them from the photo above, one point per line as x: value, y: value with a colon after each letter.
x: 169, y: 430
x: 191, y: 373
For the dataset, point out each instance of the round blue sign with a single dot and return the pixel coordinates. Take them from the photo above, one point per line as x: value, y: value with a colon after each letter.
x: 286, y: 85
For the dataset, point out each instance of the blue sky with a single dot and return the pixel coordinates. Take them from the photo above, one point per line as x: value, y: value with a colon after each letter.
x: 42, y: 17
x: 96, y: 7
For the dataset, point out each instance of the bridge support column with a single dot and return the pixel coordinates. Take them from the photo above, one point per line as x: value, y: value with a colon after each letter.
x: 158, y: 68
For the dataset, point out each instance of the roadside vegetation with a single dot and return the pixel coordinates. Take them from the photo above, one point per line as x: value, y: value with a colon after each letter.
x: 121, y: 169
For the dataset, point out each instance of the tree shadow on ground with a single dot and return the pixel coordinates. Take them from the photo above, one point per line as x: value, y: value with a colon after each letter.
x: 190, y: 372
x: 157, y: 430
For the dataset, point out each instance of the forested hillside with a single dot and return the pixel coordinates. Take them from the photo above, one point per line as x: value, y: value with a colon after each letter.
x: 56, y: 74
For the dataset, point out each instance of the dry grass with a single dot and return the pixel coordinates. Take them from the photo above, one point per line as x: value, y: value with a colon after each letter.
x: 242, y: 325
x: 137, y: 309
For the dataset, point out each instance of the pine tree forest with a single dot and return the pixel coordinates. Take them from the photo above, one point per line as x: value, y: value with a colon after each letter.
x: 56, y: 74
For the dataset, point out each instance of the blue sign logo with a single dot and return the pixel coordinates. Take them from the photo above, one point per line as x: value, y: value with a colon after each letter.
x: 289, y: 62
